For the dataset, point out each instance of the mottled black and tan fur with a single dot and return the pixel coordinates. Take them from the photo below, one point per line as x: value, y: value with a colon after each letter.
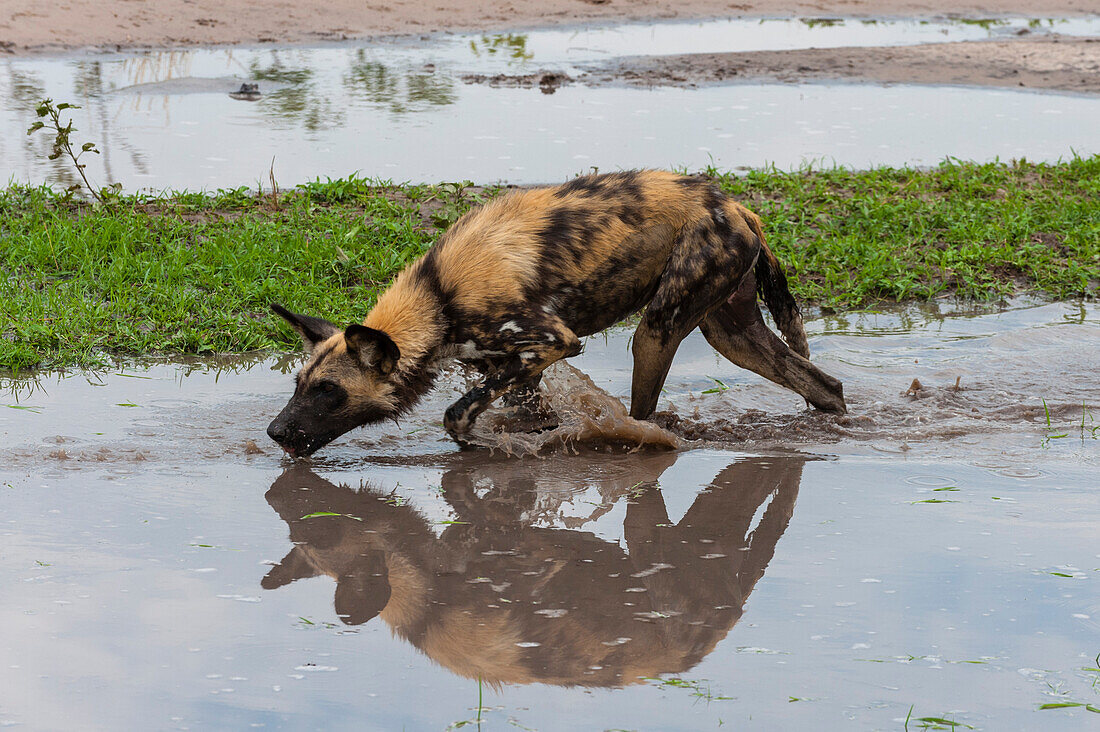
x: 514, y: 285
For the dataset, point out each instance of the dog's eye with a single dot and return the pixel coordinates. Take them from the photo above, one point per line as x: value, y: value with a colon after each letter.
x: 326, y: 387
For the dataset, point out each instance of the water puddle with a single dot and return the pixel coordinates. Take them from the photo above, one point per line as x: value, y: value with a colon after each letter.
x: 169, y: 569
x: 929, y: 555
x: 578, y: 46
x: 395, y: 109
x: 931, y: 381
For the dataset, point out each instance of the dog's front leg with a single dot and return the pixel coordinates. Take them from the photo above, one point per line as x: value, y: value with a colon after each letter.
x: 529, y: 358
x: 460, y: 416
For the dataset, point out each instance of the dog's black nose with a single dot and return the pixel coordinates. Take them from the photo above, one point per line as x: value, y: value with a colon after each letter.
x: 277, y: 431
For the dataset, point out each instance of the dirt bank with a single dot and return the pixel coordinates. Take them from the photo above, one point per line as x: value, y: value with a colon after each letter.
x: 1050, y: 63
x: 1063, y: 64
x: 119, y: 24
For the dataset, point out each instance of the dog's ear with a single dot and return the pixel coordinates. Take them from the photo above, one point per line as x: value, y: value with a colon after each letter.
x: 373, y: 348
x: 364, y: 593
x: 295, y: 566
x: 312, y: 330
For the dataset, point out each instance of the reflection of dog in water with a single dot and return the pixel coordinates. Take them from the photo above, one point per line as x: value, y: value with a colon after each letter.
x: 499, y: 599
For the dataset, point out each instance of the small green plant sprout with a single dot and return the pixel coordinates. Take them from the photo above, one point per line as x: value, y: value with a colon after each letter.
x: 933, y: 722
x: 716, y: 389
x: 321, y: 514
x: 635, y: 491
x: 1049, y: 436
x: 1092, y: 429
x: 481, y: 708
x: 942, y: 489
x: 1068, y: 705
x: 305, y: 623
x: 393, y: 499
x: 1088, y: 427
x: 452, y: 201
x: 63, y: 145
x: 513, y: 45
x: 1093, y: 671
x: 700, y: 688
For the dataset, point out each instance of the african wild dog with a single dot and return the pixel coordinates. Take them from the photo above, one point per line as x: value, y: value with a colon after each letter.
x: 514, y: 285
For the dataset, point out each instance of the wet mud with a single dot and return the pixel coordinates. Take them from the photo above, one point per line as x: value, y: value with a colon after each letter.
x: 546, y: 82
x: 1052, y: 64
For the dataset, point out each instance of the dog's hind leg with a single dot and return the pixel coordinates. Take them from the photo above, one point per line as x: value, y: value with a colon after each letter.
x: 707, y: 262
x: 737, y: 330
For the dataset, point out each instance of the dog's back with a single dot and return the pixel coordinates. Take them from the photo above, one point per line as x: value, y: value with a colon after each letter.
x: 590, y: 251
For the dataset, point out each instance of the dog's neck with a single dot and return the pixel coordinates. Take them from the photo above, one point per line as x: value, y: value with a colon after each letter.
x: 410, y: 313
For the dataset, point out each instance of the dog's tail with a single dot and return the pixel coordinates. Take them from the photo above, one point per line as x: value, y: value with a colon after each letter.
x: 771, y: 284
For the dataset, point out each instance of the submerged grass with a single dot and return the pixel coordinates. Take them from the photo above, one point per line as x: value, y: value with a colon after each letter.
x: 194, y: 273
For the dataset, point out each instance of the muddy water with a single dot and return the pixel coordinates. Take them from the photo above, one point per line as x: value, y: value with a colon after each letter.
x: 394, y: 110
x: 167, y: 569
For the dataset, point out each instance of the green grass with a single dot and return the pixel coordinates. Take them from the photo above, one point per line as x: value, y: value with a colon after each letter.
x: 194, y: 273
x: 188, y: 273
x: 976, y: 231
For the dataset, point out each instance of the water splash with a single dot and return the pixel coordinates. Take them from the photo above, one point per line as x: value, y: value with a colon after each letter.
x: 587, y: 415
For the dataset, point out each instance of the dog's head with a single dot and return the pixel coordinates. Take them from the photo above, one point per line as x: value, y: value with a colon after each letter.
x: 349, y: 381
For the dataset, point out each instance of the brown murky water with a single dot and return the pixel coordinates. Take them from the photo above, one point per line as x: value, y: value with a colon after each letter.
x: 933, y: 550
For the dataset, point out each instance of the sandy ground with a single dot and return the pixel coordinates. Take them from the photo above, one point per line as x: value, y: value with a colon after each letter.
x: 1053, y: 63
x: 27, y: 27
x: 1050, y: 63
